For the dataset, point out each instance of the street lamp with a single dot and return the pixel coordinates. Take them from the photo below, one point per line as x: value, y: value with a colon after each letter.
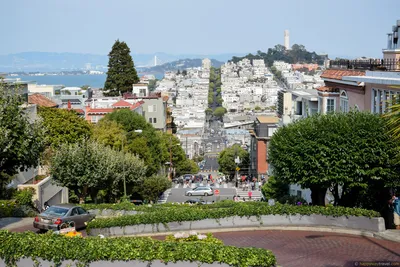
x: 123, y: 163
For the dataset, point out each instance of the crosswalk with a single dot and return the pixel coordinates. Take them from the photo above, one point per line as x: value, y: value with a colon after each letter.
x: 193, y: 185
x: 256, y: 194
x: 164, y: 196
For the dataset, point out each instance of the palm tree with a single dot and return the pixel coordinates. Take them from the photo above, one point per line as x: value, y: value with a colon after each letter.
x: 393, y: 115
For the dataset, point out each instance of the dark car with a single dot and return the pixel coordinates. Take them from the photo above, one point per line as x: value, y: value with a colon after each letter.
x: 54, y: 217
x: 195, y: 201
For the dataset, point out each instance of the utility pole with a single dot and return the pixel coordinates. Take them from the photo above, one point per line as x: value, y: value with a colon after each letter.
x: 170, y: 158
x: 186, y: 146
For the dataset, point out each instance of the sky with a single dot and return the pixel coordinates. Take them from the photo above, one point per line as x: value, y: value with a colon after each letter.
x: 338, y: 27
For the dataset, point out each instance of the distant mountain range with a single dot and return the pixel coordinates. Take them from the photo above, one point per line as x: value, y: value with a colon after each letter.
x: 45, y: 61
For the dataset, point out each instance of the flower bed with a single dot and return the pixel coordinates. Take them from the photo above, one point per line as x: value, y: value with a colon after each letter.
x: 58, y: 249
x: 193, y: 236
x: 201, y: 212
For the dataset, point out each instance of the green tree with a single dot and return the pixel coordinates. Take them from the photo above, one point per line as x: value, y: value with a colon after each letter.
x: 187, y: 166
x: 257, y: 108
x: 349, y: 153
x: 152, y: 187
x: 275, y: 189
x: 220, y: 100
x: 226, y: 159
x: 219, y: 112
x: 121, y: 72
x: 184, y: 72
x: 109, y: 133
x: 146, y: 145
x: 209, y: 111
x: 21, y: 141
x: 63, y: 126
x: 152, y: 85
x: 87, y: 167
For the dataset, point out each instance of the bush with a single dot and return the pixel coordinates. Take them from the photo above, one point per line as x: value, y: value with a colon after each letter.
x: 192, y: 236
x: 24, y: 196
x: 9, y: 208
x: 241, y: 209
x: 53, y: 248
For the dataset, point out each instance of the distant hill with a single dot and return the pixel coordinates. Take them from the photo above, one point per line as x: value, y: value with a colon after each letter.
x: 297, y: 54
x: 180, y: 64
x: 45, y: 61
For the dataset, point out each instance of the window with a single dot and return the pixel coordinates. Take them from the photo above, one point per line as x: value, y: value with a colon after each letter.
x: 382, y: 100
x: 74, y: 212
x: 93, y: 119
x: 81, y: 211
x: 152, y: 108
x: 142, y: 92
x: 330, y: 105
x: 151, y: 120
x: 154, y: 120
x: 344, y: 102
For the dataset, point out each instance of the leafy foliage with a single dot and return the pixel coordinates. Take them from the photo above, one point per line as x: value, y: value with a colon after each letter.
x: 9, y: 208
x: 241, y: 209
x: 298, y: 54
x: 85, y: 250
x: 121, y: 74
x: 226, y: 159
x: 275, y: 189
x: 193, y: 237
x: 24, y: 196
x: 88, y: 167
x: 351, y: 152
x: 151, y: 146
x: 152, y: 187
x: 109, y: 133
x: 21, y: 141
x: 219, y: 112
x: 63, y: 126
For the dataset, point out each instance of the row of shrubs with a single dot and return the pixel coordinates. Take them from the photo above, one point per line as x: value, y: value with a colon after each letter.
x: 20, y: 206
x: 57, y: 248
x: 242, y: 209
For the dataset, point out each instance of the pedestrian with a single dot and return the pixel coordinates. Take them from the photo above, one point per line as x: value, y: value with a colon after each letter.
x: 259, y: 185
x: 250, y: 194
x: 252, y: 185
x: 396, y: 211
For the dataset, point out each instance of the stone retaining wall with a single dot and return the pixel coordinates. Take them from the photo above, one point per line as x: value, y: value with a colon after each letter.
x: 351, y: 222
x: 29, y: 263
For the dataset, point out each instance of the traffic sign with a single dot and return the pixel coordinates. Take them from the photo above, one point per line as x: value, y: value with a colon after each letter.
x: 216, y: 192
x: 237, y: 168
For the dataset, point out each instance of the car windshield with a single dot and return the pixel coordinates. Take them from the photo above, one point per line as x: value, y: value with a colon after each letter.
x: 55, y: 211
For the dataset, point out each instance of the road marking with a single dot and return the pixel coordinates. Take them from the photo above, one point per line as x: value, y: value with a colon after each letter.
x: 177, y: 186
x: 193, y: 186
x: 225, y: 186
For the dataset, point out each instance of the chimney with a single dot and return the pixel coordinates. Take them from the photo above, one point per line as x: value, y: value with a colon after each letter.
x: 69, y: 104
x: 390, y: 40
x: 395, y: 36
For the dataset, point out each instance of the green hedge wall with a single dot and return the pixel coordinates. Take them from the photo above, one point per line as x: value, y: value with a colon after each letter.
x: 56, y: 248
x: 242, y: 209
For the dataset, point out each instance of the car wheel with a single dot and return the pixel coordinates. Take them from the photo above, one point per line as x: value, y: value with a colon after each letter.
x: 189, y: 194
x: 205, y: 194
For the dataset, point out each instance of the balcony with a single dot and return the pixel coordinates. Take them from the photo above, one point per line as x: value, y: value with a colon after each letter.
x: 369, y: 64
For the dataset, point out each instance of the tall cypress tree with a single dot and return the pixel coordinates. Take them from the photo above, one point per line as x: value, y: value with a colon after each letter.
x: 121, y: 72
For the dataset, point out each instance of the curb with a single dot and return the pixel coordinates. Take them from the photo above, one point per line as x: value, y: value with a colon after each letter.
x: 382, y: 235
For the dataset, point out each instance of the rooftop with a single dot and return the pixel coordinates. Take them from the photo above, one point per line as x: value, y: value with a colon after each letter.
x: 41, y: 100
x: 268, y: 119
x: 337, y: 74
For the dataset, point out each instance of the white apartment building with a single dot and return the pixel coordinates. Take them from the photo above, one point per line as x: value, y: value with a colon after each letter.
x: 49, y: 91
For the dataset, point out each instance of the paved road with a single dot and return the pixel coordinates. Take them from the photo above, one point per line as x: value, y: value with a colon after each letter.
x: 211, y: 163
x: 315, y: 249
x: 178, y: 195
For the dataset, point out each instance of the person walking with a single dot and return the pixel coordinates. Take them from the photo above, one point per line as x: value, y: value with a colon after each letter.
x: 396, y: 212
x: 250, y: 194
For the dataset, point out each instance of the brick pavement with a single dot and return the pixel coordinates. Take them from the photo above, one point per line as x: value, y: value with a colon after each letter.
x: 314, y: 249
x: 302, y: 248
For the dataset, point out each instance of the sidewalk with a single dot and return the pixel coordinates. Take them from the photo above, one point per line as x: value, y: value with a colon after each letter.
x: 391, y: 235
x: 14, y: 222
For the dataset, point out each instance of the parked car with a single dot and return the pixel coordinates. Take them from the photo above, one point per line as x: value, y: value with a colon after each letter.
x: 200, y: 191
x: 62, y: 214
x: 195, y: 201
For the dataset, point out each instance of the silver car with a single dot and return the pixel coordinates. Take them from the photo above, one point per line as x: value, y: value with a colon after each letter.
x: 61, y: 216
x: 200, y: 191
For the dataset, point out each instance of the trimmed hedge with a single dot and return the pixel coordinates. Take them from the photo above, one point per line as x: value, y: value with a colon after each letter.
x: 241, y: 209
x: 57, y: 248
x: 9, y: 208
